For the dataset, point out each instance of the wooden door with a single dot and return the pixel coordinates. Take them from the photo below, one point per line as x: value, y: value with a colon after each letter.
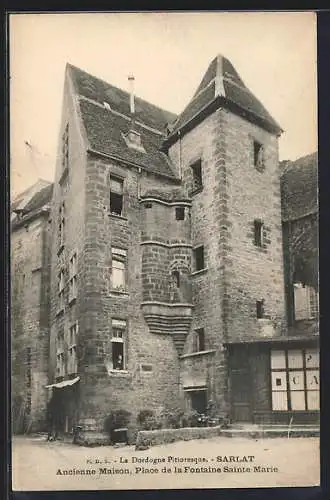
x: 241, y: 395
x: 241, y: 390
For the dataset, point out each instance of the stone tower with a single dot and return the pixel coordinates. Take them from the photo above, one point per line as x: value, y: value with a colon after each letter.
x: 225, y: 144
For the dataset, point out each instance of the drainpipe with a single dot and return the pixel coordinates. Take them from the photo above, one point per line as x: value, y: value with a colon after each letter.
x: 139, y: 183
x: 180, y: 154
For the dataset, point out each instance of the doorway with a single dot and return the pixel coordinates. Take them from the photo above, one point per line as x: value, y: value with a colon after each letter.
x: 241, y: 389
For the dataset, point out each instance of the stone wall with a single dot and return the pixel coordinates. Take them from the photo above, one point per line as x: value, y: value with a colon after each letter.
x: 134, y: 388
x: 29, y: 323
x: 237, y: 273
x: 208, y: 217
x: 256, y: 273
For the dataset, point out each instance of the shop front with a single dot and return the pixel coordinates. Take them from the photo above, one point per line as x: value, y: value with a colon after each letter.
x: 274, y: 381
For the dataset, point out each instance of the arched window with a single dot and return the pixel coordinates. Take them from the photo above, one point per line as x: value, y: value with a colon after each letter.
x: 176, y: 278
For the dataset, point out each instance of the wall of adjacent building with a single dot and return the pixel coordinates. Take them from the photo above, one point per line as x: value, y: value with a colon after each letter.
x: 30, y: 323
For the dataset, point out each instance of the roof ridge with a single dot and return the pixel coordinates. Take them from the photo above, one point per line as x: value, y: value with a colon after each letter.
x: 128, y: 118
x: 141, y: 99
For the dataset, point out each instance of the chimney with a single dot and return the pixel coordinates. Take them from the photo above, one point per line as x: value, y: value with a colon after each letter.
x: 132, y: 103
x: 133, y: 138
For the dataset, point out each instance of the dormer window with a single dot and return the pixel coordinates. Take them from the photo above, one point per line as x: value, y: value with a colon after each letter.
x: 133, y: 140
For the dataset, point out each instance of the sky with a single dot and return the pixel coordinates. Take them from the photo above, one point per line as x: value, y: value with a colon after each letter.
x: 168, y: 53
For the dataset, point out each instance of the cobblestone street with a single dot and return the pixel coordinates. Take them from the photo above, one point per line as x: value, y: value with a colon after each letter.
x: 40, y: 465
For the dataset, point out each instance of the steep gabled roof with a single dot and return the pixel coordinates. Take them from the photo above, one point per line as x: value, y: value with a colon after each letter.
x: 40, y: 196
x: 40, y: 199
x: 299, y: 187
x: 22, y: 199
x: 106, y: 125
x: 221, y: 81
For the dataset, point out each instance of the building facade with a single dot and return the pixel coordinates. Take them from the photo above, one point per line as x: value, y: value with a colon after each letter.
x: 167, y: 267
x: 30, y: 289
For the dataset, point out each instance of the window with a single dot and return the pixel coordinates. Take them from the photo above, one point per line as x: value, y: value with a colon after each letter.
x: 258, y: 155
x: 305, y: 302
x: 176, y: 278
x: 61, y: 290
x: 72, y: 349
x: 199, y: 258
x: 198, y: 401
x: 61, y: 225
x: 295, y: 379
x: 65, y: 149
x: 258, y: 233
x: 28, y: 367
x: 118, y: 344
x: 196, y: 169
x: 179, y: 213
x: 116, y: 196
x: 60, y: 359
x: 118, y: 274
x: 260, y: 308
x: 199, y: 341
x: 73, y: 277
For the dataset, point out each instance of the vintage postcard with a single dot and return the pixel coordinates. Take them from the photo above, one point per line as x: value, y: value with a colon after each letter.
x: 164, y: 250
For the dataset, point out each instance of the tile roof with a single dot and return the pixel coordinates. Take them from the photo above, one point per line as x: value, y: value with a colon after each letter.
x: 299, y: 187
x: 221, y: 80
x: 105, y: 132
x: 105, y: 127
x: 39, y: 199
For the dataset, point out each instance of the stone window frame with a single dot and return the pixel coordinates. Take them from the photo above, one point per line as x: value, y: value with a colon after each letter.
x: 204, y: 267
x: 199, y: 340
x: 197, y: 177
x: 180, y: 213
x: 61, y: 227
x: 258, y: 151
x: 287, y: 372
x: 260, y: 309
x: 175, y: 274
x: 119, y: 255
x: 60, y: 356
x: 72, y: 367
x: 311, y: 300
x: 28, y: 359
x: 73, y: 276
x: 61, y: 289
x: 258, y: 232
x: 116, y: 193
x: 119, y: 335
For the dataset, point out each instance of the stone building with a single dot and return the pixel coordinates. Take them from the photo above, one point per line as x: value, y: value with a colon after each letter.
x: 167, y: 269
x: 30, y: 287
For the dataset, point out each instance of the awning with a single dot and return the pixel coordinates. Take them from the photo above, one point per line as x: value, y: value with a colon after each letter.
x: 64, y: 383
x: 275, y: 340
